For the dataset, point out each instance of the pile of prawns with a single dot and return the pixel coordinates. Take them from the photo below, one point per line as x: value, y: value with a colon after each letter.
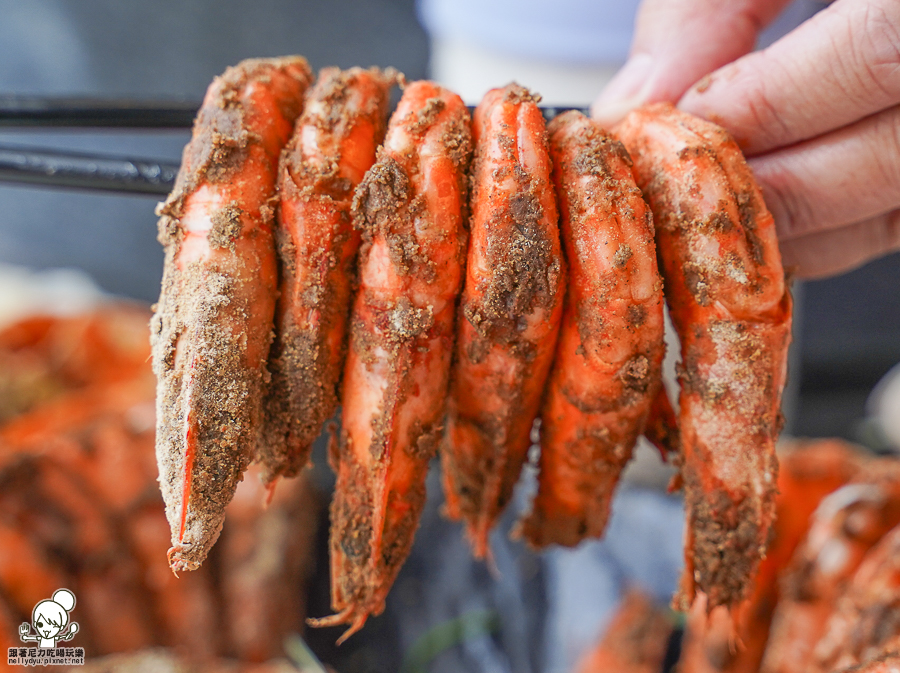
x: 446, y: 281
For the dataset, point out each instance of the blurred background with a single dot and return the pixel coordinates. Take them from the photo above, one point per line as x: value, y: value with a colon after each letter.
x: 530, y: 612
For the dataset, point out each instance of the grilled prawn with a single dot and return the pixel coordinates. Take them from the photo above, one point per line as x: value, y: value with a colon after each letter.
x: 844, y: 528
x: 729, y: 303
x: 607, y: 370
x: 808, y: 471
x: 509, y: 313
x: 866, y: 619
x: 410, y: 209
x: 213, y: 323
x: 333, y: 146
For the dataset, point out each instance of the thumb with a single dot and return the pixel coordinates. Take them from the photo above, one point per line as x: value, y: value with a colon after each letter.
x: 676, y: 42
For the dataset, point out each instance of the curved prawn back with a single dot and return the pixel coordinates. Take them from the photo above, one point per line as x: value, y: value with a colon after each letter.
x: 608, y: 363
x: 728, y: 301
x: 410, y: 208
x: 213, y: 323
x: 509, y: 313
x: 711, y: 213
x: 333, y: 145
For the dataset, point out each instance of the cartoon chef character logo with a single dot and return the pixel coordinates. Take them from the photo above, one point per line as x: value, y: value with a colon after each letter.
x: 50, y: 620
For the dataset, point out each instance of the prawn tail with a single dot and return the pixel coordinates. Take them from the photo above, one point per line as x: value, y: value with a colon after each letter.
x: 180, y: 558
x: 472, y: 485
x: 351, y: 615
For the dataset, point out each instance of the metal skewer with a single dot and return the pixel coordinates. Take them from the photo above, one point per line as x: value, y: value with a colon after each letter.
x: 86, y: 171
x: 83, y: 112
x: 98, y: 172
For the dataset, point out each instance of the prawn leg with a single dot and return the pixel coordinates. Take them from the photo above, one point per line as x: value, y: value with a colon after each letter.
x: 333, y: 145
x: 213, y: 323
x: 509, y: 313
x: 410, y: 208
x: 662, y: 428
x: 608, y: 363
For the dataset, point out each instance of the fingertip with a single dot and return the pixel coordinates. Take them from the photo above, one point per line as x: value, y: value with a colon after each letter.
x: 628, y: 89
x: 703, y: 97
x: 611, y: 113
x: 676, y: 44
x: 692, y: 99
x: 630, y: 81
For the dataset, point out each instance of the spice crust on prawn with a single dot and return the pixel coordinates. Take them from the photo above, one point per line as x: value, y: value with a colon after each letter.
x: 213, y: 323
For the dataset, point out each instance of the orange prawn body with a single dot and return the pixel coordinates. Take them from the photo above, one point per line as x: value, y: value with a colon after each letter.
x: 728, y: 300
x: 809, y: 470
x: 607, y: 370
x: 509, y: 313
x: 213, y: 324
x: 410, y: 209
x: 333, y: 146
x: 634, y: 641
x: 864, y: 624
x: 845, y: 529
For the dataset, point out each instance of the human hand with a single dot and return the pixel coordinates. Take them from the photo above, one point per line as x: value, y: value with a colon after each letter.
x: 816, y: 113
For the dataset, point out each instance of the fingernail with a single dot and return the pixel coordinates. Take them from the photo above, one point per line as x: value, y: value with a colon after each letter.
x: 628, y: 89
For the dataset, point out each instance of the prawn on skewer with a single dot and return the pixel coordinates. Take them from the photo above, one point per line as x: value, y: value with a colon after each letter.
x: 808, y: 471
x: 333, y: 146
x: 509, y: 313
x: 213, y: 324
x: 607, y: 371
x: 727, y: 295
x: 410, y: 207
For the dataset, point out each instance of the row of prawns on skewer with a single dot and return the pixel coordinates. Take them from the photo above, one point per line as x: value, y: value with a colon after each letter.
x: 458, y: 326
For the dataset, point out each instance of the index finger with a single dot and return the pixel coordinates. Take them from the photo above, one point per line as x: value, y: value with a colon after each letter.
x: 676, y: 42
x: 840, y: 66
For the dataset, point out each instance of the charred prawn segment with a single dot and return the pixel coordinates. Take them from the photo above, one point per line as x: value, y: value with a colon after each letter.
x: 333, y: 146
x: 509, y: 314
x: 213, y: 323
x: 410, y: 209
x: 732, y: 311
x: 607, y: 370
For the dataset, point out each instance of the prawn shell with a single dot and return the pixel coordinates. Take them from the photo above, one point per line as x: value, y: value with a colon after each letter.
x: 843, y: 530
x: 410, y: 208
x: 213, y: 323
x: 809, y: 471
x: 607, y: 370
x: 333, y: 145
x: 509, y: 312
x: 864, y: 623
x: 732, y: 310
